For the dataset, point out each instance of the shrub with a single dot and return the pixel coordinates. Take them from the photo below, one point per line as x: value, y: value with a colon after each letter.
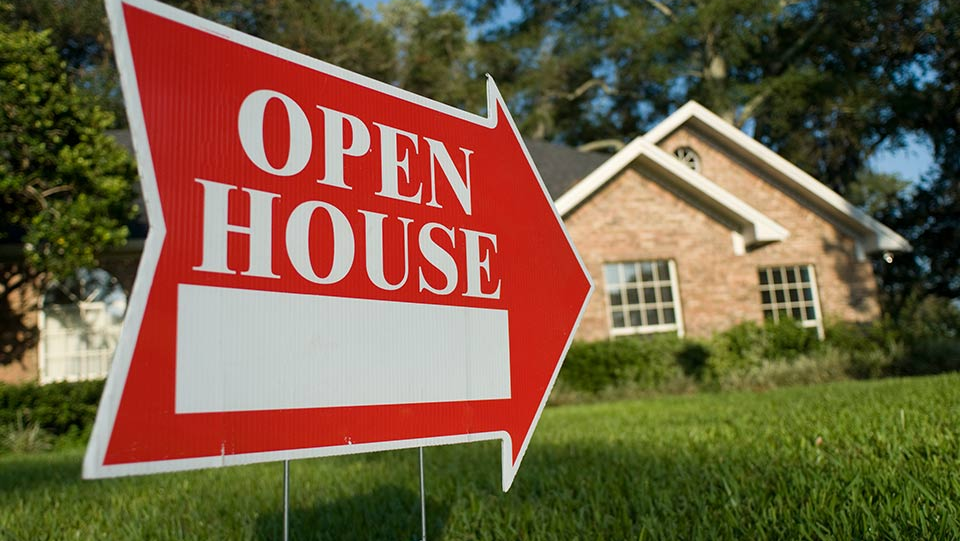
x: 58, y: 408
x: 644, y: 362
x: 22, y: 437
x: 735, y: 350
x: 929, y: 328
x: 787, y: 339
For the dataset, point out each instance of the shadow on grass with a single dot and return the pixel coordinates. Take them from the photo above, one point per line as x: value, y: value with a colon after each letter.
x: 388, y: 513
x: 22, y: 473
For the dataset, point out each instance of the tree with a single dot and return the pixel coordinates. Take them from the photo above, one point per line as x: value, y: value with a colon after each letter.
x: 432, y: 53
x: 930, y: 215
x: 65, y: 186
x: 814, y: 79
x: 81, y: 36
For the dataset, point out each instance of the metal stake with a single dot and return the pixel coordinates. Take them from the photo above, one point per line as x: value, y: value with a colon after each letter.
x: 286, y: 500
x: 423, y: 501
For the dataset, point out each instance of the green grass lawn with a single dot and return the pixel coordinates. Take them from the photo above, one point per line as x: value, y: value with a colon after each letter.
x: 856, y: 460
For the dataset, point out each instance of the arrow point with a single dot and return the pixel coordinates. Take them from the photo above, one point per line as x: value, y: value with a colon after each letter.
x: 494, y: 101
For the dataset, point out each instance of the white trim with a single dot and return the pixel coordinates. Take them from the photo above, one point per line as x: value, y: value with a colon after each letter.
x: 622, y: 285
x: 814, y: 277
x: 739, y: 245
x: 757, y: 228
x: 876, y: 236
x: 771, y: 287
x: 677, y: 303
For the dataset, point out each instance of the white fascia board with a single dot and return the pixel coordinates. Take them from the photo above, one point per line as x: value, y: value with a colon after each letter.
x: 877, y: 237
x: 758, y: 228
x: 583, y: 189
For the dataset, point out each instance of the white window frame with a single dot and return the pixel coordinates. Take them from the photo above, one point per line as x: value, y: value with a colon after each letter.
x: 76, y: 353
x: 659, y: 304
x: 775, y: 306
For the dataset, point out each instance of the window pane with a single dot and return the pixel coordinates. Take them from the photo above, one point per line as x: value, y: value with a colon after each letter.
x: 641, y: 294
x: 768, y: 314
x: 791, y: 276
x: 777, y: 276
x: 646, y: 272
x: 794, y: 295
x: 616, y: 299
x: 649, y: 295
x: 795, y: 314
x: 763, y: 277
x: 805, y: 274
x: 811, y: 314
x: 807, y: 294
x: 666, y: 294
x: 765, y: 297
x: 611, y: 273
x: 663, y: 271
x: 780, y: 296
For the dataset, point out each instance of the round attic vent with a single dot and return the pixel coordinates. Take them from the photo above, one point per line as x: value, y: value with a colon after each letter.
x: 688, y: 157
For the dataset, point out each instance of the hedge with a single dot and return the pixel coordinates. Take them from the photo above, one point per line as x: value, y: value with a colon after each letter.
x: 58, y: 408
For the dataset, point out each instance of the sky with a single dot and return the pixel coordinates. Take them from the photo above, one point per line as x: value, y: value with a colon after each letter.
x: 910, y: 161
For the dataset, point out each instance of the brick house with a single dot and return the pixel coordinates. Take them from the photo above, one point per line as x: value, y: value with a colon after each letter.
x: 695, y: 226
x: 688, y: 229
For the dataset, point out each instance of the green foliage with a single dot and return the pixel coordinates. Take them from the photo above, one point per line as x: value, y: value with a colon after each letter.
x: 61, y: 409
x: 787, y: 339
x: 65, y: 186
x: 854, y: 460
x: 20, y: 437
x: 929, y: 329
x: 643, y: 362
x: 924, y: 339
x: 432, y: 53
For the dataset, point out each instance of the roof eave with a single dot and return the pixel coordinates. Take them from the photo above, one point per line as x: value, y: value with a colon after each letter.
x: 756, y: 228
x: 876, y: 236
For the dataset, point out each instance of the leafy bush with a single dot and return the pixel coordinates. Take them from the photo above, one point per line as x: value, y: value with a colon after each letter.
x: 924, y: 339
x: 61, y: 409
x: 22, y: 437
x: 929, y: 329
x: 737, y: 349
x: 787, y: 340
x: 644, y: 362
x: 869, y: 349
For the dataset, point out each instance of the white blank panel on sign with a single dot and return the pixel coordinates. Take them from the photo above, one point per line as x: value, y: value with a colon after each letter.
x: 310, y: 355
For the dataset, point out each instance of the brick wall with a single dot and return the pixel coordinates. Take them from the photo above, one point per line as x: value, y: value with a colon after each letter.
x: 18, y: 326
x: 637, y: 216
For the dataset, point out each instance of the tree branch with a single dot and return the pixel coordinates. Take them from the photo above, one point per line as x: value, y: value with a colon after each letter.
x: 751, y: 107
x: 615, y: 144
x: 662, y: 8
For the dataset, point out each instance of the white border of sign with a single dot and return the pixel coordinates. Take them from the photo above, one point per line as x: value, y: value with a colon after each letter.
x: 93, y: 466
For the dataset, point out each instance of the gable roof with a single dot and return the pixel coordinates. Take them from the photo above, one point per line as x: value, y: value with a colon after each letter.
x: 755, y: 227
x: 561, y: 166
x: 873, y: 235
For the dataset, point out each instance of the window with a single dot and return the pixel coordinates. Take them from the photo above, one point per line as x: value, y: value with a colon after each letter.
x: 688, y: 157
x: 791, y: 292
x: 79, y: 326
x: 643, y: 297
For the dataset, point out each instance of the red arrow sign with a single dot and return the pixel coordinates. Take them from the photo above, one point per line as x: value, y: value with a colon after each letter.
x: 334, y: 265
